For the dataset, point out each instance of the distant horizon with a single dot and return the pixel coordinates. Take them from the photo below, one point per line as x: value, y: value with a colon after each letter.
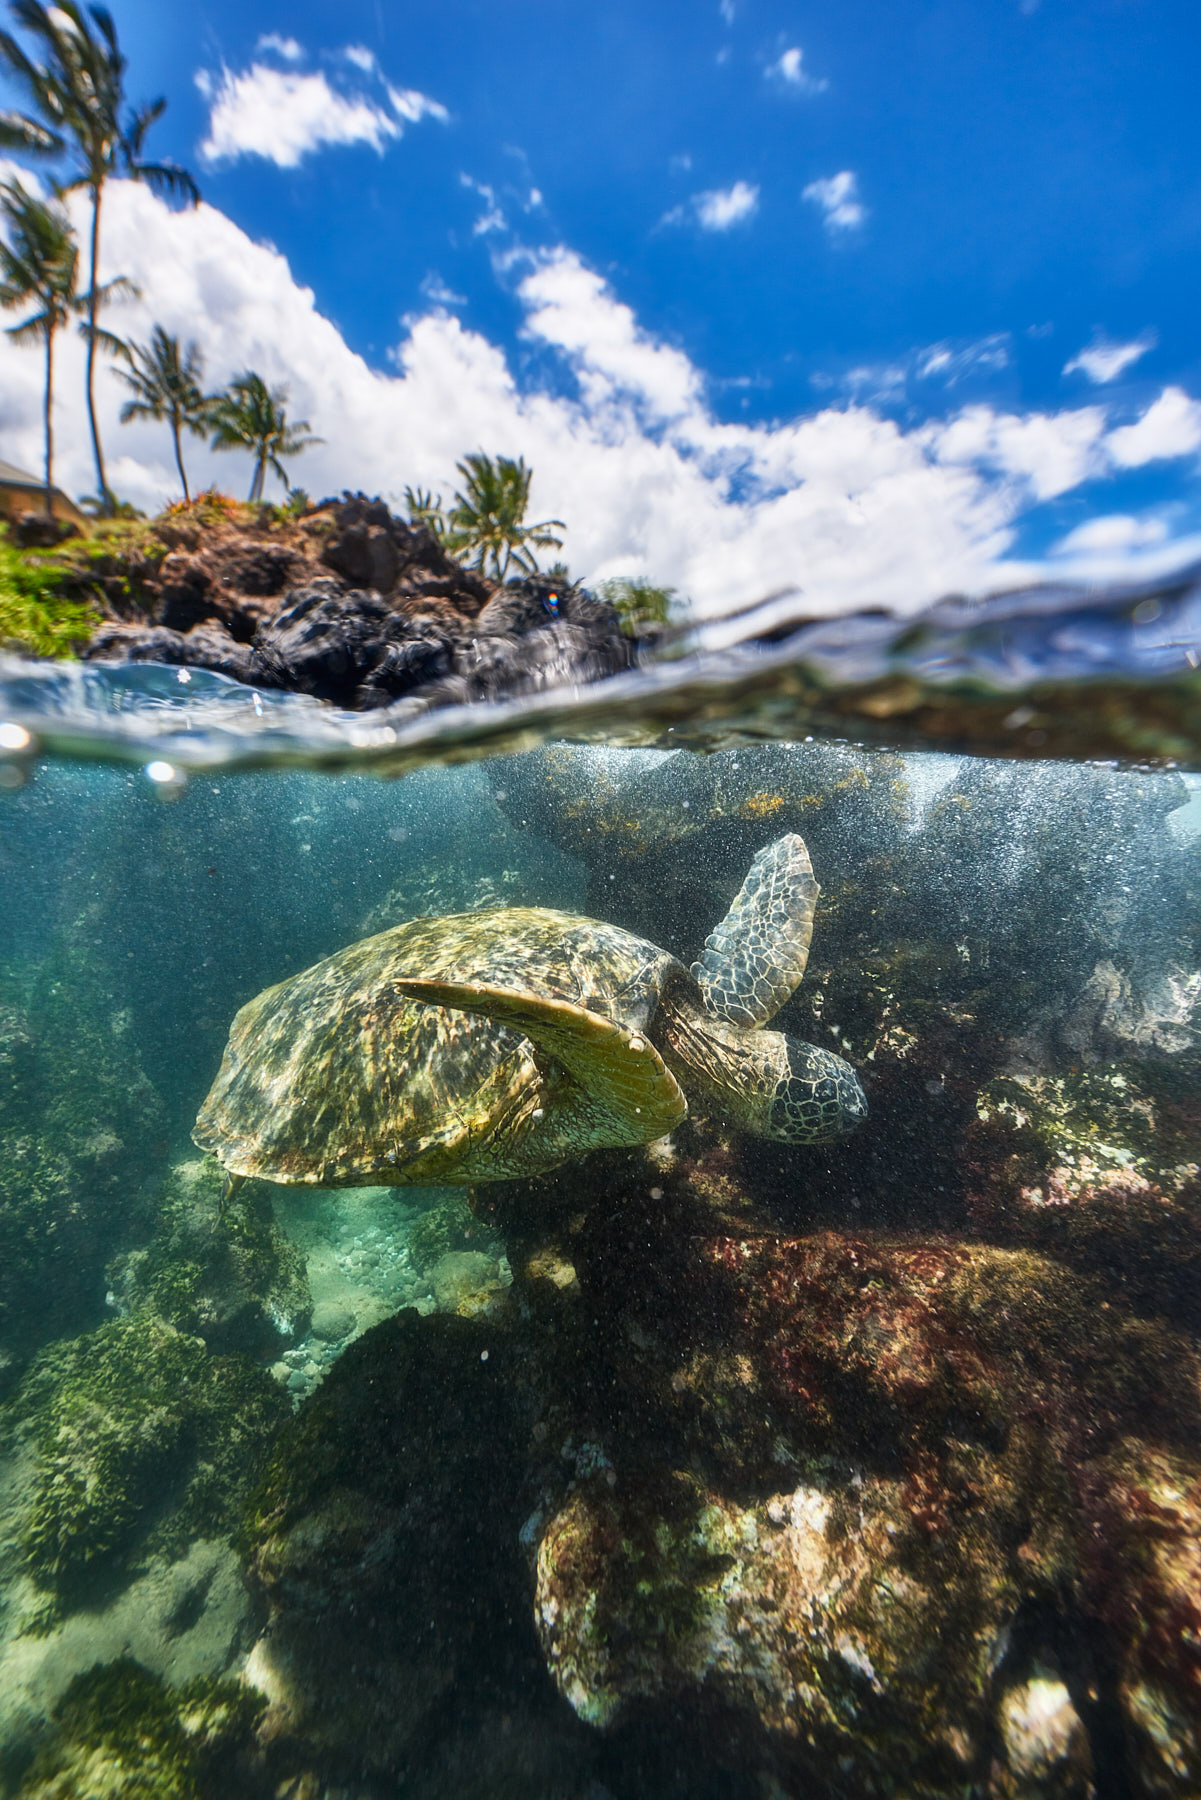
x: 883, y: 308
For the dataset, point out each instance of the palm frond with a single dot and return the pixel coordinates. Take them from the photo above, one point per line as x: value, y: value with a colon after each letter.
x: 29, y: 331
x: 19, y: 132
x: 168, y: 180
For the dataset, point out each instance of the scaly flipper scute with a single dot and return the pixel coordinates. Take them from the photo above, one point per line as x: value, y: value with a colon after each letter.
x: 756, y: 957
x: 624, y: 1082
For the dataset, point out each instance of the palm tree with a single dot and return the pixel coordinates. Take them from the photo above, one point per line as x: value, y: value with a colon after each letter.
x: 251, y: 416
x: 488, y: 516
x: 77, y: 98
x: 38, y: 267
x: 166, y: 385
x: 640, y: 605
x: 425, y: 508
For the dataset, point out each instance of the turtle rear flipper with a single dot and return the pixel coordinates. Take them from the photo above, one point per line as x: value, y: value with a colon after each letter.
x: 756, y: 957
x: 625, y: 1086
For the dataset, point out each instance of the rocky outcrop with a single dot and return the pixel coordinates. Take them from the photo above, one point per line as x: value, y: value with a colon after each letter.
x: 355, y: 607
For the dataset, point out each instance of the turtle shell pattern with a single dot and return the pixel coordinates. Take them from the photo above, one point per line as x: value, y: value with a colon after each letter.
x: 336, y: 1078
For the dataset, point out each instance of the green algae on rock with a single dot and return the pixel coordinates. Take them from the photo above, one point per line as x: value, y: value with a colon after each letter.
x: 224, y: 1273
x: 129, y: 1441
x: 80, y: 1124
x: 1101, y: 1167
x: 122, y: 1735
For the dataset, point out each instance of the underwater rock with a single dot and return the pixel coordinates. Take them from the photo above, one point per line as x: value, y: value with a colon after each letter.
x: 123, y: 1444
x: 226, y: 1274
x: 182, y: 1619
x: 1142, y: 1578
x: 80, y: 1129
x: 467, y: 1282
x: 851, y: 1487
x: 332, y: 1322
x: 1101, y: 1167
x: 120, y: 1732
x: 1044, y: 1752
x: 384, y: 1540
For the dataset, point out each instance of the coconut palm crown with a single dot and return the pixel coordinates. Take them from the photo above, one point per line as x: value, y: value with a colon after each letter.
x: 38, y: 267
x: 251, y: 416
x: 77, y: 106
x: 165, y: 381
x: 488, y: 517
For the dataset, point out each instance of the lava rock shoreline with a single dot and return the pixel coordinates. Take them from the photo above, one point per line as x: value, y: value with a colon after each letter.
x: 351, y: 606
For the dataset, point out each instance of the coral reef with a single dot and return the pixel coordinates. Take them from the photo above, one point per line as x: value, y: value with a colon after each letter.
x: 226, y: 1274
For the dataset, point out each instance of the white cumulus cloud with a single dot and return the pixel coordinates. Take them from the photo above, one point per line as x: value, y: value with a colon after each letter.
x: 1103, y: 360
x: 1171, y: 426
x: 283, y: 115
x: 837, y: 196
x: 789, y: 70
x: 287, y: 47
x: 717, y: 209
x: 845, y: 502
x: 414, y: 107
x: 1113, y: 531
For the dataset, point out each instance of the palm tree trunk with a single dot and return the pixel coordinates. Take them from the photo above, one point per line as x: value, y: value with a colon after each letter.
x: 93, y: 309
x: 179, y: 458
x: 49, y: 422
x: 260, y: 474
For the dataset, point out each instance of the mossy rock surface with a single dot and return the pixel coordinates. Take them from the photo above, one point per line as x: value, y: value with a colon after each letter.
x: 1101, y: 1167
x: 80, y: 1128
x: 225, y: 1273
x: 120, y: 1734
x: 132, y: 1440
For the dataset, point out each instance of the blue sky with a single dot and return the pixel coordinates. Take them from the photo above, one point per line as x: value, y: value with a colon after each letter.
x: 960, y: 219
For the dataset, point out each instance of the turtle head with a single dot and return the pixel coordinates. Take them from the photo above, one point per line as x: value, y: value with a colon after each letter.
x: 817, y: 1096
x: 763, y: 1081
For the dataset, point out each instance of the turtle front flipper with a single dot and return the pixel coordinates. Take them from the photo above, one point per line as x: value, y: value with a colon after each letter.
x: 756, y: 957
x: 626, y: 1093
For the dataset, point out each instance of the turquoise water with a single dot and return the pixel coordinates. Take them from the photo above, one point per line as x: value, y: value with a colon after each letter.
x: 710, y: 1466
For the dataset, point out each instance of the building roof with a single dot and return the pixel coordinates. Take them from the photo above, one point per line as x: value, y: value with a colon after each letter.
x: 11, y: 476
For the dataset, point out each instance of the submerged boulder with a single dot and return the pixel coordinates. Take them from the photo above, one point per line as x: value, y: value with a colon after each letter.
x: 862, y: 1493
x: 383, y: 1540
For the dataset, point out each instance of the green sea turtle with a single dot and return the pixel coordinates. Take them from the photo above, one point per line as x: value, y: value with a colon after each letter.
x: 490, y: 1044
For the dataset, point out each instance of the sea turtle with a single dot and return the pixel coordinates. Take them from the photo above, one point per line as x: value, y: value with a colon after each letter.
x: 489, y: 1044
